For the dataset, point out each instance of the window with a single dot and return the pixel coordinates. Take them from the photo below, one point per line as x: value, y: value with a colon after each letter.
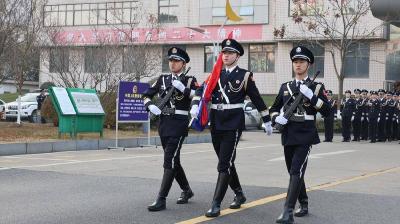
x: 95, y: 60
x: 133, y: 59
x: 251, y: 11
x: 168, y: 11
x: 356, y: 64
x: 165, y: 62
x: 319, y: 58
x: 210, y: 58
x: 262, y: 57
x: 59, y: 60
x: 305, y: 7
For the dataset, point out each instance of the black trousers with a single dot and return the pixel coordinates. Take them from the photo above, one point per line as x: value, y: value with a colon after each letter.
x: 346, y: 127
x: 395, y: 130
x: 225, y: 143
x: 172, y: 150
x: 381, y: 129
x: 373, y: 123
x: 296, y: 158
x: 364, y: 129
x: 389, y: 128
x: 328, y: 124
x: 357, y: 128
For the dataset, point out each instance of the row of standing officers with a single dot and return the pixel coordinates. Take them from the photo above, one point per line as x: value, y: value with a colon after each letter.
x: 372, y: 115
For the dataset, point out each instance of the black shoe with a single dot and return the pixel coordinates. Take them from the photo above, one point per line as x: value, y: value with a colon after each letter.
x: 158, y: 205
x: 372, y: 141
x: 302, y: 210
x: 185, y: 196
x: 220, y: 190
x: 238, y: 200
x: 292, y: 195
x: 346, y: 140
x: 166, y: 183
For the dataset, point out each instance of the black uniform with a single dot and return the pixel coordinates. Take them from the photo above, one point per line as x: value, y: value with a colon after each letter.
x: 390, y: 114
x: 40, y: 99
x: 172, y: 128
x: 364, y: 120
x: 357, y: 115
x: 373, y: 114
x: 347, y: 108
x: 329, y: 121
x: 381, y: 133
x: 396, y: 121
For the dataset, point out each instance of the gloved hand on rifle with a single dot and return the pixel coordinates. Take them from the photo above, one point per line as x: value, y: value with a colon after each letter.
x: 154, y: 109
x: 178, y: 85
x: 268, y: 127
x: 194, y: 111
x: 307, y: 92
x: 281, y: 120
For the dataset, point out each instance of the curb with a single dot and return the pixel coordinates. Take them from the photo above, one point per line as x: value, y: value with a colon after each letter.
x: 9, y: 149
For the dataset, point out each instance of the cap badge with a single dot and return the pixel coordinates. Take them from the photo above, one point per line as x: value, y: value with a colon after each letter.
x: 298, y: 50
x: 174, y: 50
x: 228, y: 42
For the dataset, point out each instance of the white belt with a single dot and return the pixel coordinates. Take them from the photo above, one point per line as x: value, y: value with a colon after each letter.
x: 182, y: 112
x: 306, y: 117
x: 226, y: 106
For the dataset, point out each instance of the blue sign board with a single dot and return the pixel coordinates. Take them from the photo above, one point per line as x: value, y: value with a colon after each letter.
x: 130, y: 105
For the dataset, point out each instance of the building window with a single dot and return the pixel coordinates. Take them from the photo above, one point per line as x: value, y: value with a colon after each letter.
x: 59, y: 60
x: 111, y: 13
x: 168, y: 11
x: 356, y: 63
x: 305, y: 7
x: 165, y: 62
x: 251, y: 11
x: 95, y: 60
x: 209, y: 57
x: 262, y: 58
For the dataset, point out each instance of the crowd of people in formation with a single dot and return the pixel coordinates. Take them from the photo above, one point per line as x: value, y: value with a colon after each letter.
x: 373, y: 116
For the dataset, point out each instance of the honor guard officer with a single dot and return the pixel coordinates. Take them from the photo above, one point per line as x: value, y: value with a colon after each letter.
x: 357, y: 114
x: 330, y: 119
x: 373, y: 115
x: 347, y: 108
x: 396, y: 99
x: 364, y: 117
x: 227, y: 121
x: 299, y: 132
x: 382, y: 116
x: 390, y: 110
x: 173, y: 126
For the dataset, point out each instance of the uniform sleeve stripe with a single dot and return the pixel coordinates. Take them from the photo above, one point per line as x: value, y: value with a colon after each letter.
x: 146, y: 100
x: 196, y: 98
x: 264, y: 113
x: 319, y: 104
x: 274, y: 114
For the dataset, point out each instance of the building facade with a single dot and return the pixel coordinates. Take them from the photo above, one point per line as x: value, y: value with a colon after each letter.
x: 84, y: 25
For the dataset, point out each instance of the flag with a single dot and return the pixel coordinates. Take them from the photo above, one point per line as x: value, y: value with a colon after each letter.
x: 230, y: 14
x: 202, y: 119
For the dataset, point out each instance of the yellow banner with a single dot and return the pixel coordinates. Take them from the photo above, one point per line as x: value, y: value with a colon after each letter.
x: 230, y: 14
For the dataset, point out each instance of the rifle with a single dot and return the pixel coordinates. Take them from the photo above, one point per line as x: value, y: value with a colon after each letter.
x: 162, y: 102
x: 289, y: 112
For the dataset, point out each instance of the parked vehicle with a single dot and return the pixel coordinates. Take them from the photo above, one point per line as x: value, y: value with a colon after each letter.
x: 252, y: 118
x: 28, y: 108
x: 2, y: 108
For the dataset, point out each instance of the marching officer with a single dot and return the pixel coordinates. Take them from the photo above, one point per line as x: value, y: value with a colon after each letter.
x: 373, y: 115
x: 330, y: 119
x: 382, y: 116
x: 364, y: 117
x: 227, y: 121
x: 396, y: 115
x: 299, y: 132
x: 173, y: 126
x: 347, y: 108
x: 357, y: 115
x: 390, y: 110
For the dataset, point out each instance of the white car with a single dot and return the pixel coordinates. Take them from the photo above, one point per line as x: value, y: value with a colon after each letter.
x: 28, y: 108
x: 252, y: 118
x: 2, y: 108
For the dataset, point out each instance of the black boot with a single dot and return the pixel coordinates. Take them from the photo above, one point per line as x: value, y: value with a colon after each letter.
x: 220, y: 190
x: 234, y: 183
x: 160, y: 203
x: 293, y: 193
x: 303, y: 201
x: 187, y: 193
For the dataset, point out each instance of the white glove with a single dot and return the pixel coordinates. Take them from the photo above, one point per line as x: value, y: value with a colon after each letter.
x: 362, y: 118
x: 379, y: 119
x: 281, y: 120
x: 268, y: 127
x: 307, y: 92
x: 352, y: 118
x: 178, y: 85
x: 154, y: 109
x: 194, y: 111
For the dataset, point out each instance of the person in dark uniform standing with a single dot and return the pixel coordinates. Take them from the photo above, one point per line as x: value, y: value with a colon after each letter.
x: 227, y: 121
x: 381, y: 132
x: 299, y: 132
x: 330, y: 119
x: 347, y: 108
x: 396, y: 114
x: 364, y: 117
x: 357, y: 115
x: 173, y: 126
x: 373, y: 115
x: 390, y: 110
x: 40, y: 99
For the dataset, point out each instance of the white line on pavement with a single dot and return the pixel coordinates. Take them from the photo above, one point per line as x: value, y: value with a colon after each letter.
x: 317, y: 155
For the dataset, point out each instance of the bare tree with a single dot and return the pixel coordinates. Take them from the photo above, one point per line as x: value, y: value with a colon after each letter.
x: 338, y: 25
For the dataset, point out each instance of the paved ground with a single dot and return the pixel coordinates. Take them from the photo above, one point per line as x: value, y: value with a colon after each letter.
x: 350, y: 183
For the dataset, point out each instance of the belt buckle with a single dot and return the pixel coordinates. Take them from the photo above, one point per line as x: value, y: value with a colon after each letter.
x: 220, y: 107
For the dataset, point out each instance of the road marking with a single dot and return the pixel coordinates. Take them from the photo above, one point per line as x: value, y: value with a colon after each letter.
x: 123, y: 158
x: 277, y: 197
x: 316, y: 155
x: 39, y: 158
